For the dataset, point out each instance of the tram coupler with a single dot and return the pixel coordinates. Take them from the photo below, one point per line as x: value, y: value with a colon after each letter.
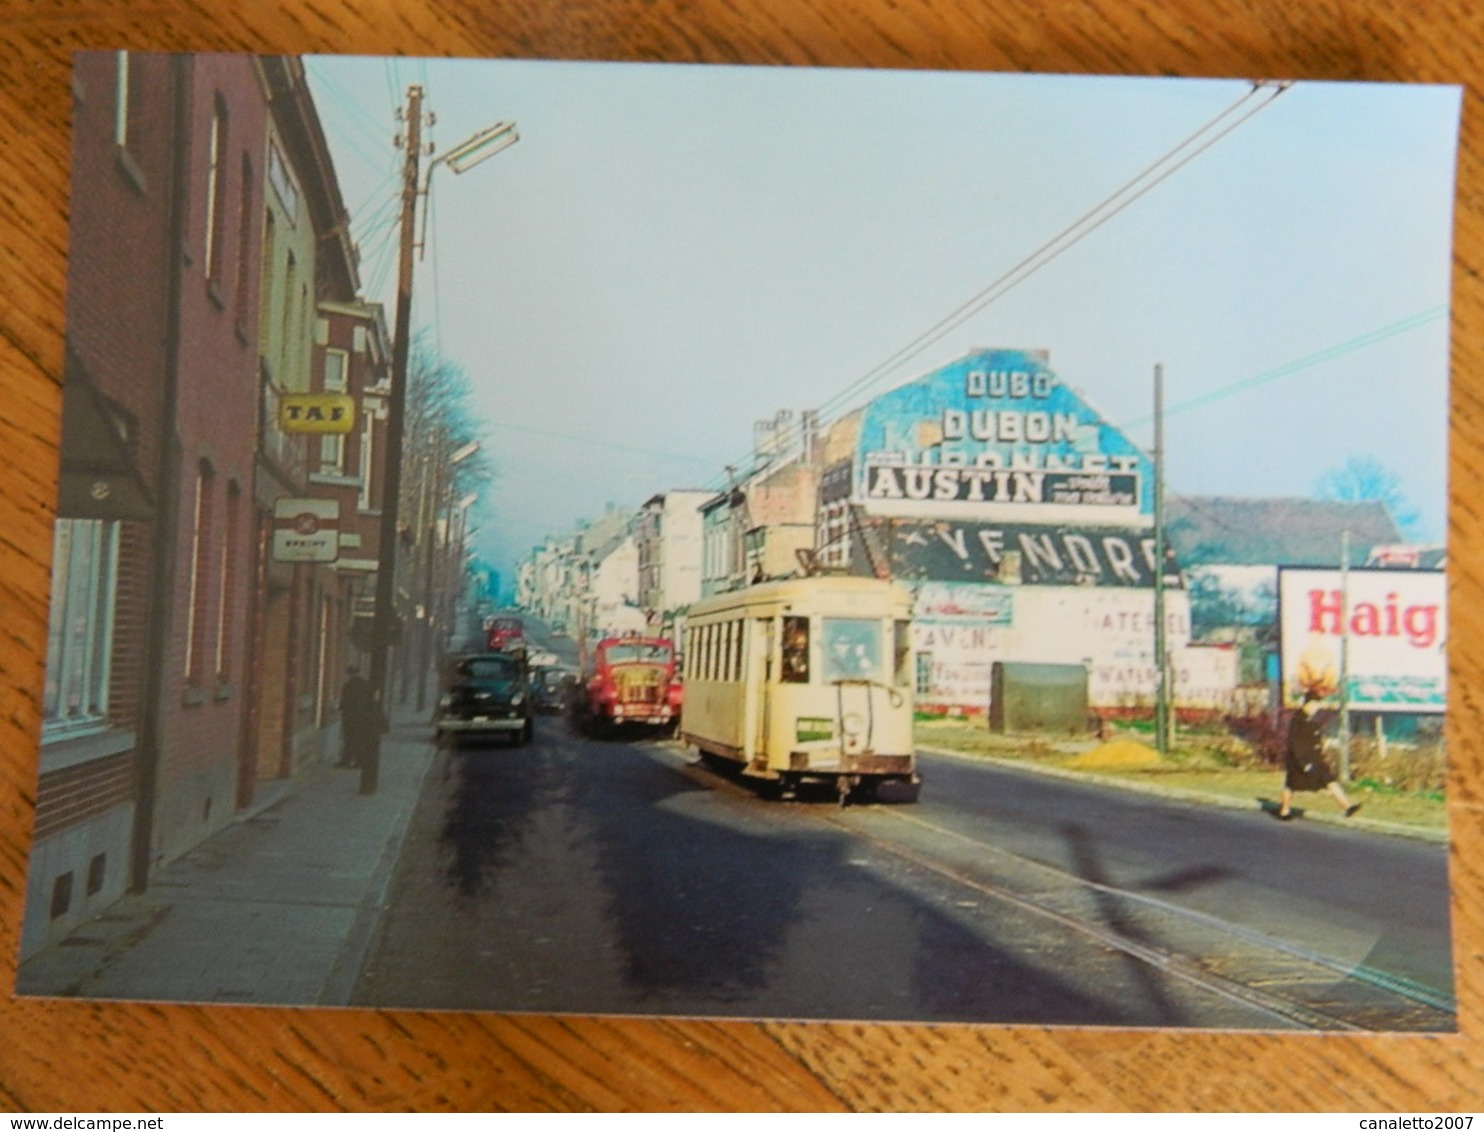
x: 844, y: 784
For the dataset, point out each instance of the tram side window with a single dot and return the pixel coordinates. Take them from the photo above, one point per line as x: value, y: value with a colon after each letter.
x: 737, y: 650
x: 796, y: 650
x: 902, y: 653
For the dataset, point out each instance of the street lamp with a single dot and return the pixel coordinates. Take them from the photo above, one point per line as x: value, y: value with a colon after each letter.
x: 464, y: 156
x: 482, y: 145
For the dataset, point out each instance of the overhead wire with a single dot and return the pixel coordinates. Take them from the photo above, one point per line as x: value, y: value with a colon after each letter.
x: 1161, y: 169
x: 1308, y: 361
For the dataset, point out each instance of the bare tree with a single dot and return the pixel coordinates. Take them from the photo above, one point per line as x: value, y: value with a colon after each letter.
x: 1366, y: 479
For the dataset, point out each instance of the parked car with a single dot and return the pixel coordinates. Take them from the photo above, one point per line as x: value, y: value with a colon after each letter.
x: 486, y: 694
x: 552, y: 687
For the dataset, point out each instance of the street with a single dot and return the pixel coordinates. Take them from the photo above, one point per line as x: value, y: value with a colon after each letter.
x: 622, y: 877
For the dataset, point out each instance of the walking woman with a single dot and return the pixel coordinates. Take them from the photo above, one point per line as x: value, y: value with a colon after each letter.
x: 1304, y: 765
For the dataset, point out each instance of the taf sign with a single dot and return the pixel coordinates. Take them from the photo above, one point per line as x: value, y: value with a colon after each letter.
x: 316, y: 412
x: 306, y: 530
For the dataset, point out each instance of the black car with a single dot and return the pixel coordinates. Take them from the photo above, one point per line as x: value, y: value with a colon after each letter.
x: 552, y: 686
x: 486, y: 694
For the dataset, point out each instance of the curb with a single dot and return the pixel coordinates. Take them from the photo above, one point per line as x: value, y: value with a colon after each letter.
x: 1182, y: 794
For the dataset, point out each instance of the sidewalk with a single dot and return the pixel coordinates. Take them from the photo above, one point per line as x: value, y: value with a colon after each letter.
x: 278, y: 908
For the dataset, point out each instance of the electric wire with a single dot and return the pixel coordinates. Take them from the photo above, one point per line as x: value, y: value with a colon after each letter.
x: 1162, y: 168
x: 1308, y: 361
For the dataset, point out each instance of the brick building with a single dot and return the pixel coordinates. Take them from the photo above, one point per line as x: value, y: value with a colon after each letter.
x: 94, y: 718
x: 206, y: 228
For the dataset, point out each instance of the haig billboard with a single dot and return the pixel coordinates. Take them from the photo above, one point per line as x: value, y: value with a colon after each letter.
x: 1387, y: 630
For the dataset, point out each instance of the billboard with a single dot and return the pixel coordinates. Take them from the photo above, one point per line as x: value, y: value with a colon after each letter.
x: 1386, y: 630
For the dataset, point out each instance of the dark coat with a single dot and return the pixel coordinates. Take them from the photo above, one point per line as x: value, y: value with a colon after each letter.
x: 360, y: 715
x: 1304, y: 766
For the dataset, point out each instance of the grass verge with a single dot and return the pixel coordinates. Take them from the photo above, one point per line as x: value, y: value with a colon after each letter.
x: 1216, y: 767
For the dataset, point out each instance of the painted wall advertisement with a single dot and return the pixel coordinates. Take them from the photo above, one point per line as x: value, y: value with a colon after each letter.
x: 1386, y: 630
x: 1110, y: 631
x: 993, y: 435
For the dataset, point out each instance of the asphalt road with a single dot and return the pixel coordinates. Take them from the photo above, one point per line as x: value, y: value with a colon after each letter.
x: 1349, y: 892
x: 590, y: 877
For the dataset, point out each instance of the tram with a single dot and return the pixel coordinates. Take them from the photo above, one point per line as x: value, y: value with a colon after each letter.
x: 807, y: 679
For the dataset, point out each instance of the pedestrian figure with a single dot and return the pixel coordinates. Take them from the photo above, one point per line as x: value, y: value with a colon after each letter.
x: 360, y: 719
x: 1304, y: 765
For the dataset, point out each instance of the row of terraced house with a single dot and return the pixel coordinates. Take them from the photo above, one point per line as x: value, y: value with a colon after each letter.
x: 1020, y: 517
x: 211, y: 275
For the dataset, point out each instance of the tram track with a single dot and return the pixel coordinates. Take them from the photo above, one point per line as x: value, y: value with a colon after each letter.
x: 1289, y: 982
x: 1293, y: 985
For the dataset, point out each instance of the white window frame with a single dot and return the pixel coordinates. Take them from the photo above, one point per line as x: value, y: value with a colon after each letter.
x: 342, y: 358
x: 121, y: 101
x: 215, y: 189
x: 367, y: 462
x: 80, y: 626
x: 332, y: 454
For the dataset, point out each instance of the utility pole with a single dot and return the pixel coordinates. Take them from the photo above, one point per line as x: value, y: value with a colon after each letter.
x: 1161, y: 686
x: 386, y: 562
x: 1344, y: 761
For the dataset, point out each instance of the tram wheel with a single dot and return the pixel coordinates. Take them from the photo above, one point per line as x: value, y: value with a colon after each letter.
x: 897, y: 791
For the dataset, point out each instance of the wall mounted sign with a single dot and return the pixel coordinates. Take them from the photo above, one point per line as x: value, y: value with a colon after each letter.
x: 306, y: 530
x: 317, y: 412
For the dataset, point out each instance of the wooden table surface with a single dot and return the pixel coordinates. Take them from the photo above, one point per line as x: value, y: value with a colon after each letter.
x: 93, y: 1056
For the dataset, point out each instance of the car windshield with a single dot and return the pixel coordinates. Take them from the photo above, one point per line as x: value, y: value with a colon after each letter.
x: 637, y: 651
x: 488, y: 668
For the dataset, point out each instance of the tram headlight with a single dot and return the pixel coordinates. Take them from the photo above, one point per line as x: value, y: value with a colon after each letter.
x: 853, y: 725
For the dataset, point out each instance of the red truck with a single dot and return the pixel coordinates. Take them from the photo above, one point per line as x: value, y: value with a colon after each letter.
x: 505, y: 632
x: 631, y: 680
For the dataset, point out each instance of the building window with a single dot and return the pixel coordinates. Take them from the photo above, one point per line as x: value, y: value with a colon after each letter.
x: 80, y: 627
x: 196, y: 621
x: 228, y: 584
x: 245, y: 210
x: 127, y: 118
x: 216, y: 188
x: 336, y: 380
x: 265, y: 283
x: 128, y: 109
x: 286, y: 336
x: 924, y: 673
x: 336, y: 369
x: 282, y: 182
x: 332, y: 454
x: 368, y: 432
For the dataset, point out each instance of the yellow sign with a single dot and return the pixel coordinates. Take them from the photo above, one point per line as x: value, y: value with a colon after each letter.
x: 316, y: 412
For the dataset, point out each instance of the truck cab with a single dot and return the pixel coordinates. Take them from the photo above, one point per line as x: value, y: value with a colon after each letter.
x: 632, y: 680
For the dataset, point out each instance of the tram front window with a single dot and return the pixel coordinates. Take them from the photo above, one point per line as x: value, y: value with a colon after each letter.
x: 852, y: 649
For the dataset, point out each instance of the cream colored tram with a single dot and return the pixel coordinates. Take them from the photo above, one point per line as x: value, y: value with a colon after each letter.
x: 808, y: 679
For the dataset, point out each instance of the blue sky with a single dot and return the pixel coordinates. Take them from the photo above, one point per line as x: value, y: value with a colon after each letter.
x: 672, y: 252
